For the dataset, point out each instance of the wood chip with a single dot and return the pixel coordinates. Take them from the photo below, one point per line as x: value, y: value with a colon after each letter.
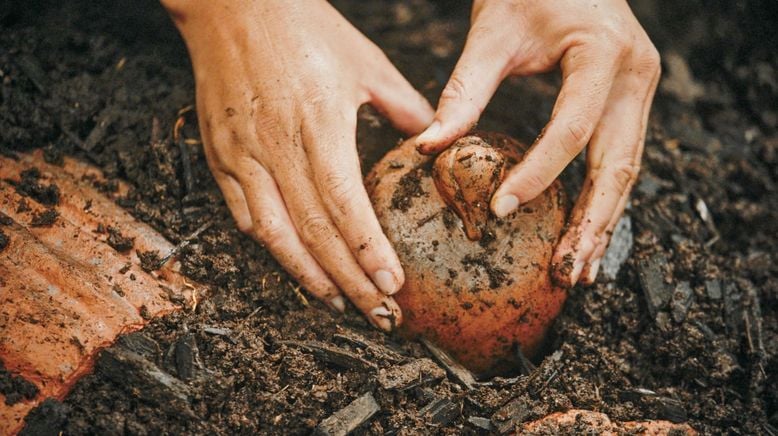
x: 378, y: 350
x: 459, y: 372
x: 347, y: 419
x: 334, y: 355
x: 185, y: 355
x: 713, y: 289
x: 509, y: 417
x: 441, y: 411
x: 651, y: 273
x: 410, y: 375
x: 142, y: 378
x: 681, y: 301
x: 619, y: 248
x: 481, y: 423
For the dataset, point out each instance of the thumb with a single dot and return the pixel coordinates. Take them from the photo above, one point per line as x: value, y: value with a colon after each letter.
x: 477, y: 75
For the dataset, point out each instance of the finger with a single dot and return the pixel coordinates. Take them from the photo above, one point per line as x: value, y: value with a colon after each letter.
x: 566, y: 267
x: 589, y: 274
x: 331, y: 145
x: 294, y: 177
x: 592, y: 266
x: 613, y: 164
x: 255, y: 203
x: 399, y: 101
x: 475, y: 78
x: 236, y: 202
x: 272, y: 226
x: 588, y: 74
x: 230, y: 188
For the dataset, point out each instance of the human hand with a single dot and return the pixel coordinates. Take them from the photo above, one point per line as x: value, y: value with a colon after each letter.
x: 278, y: 88
x: 610, y: 71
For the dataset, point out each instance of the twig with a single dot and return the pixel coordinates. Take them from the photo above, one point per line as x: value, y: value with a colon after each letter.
x: 186, y: 164
x: 299, y: 294
x: 424, y: 221
x: 183, y: 244
x: 548, y: 381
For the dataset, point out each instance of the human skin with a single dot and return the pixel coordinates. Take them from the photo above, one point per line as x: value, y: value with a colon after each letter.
x: 278, y: 86
x: 610, y: 70
x: 279, y: 83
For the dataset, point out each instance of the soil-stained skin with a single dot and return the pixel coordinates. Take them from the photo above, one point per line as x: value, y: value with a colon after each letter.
x: 475, y: 285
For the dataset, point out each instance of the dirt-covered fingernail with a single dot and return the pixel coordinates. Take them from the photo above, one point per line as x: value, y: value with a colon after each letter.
x: 382, y: 318
x: 505, y: 204
x: 385, y: 281
x: 338, y: 304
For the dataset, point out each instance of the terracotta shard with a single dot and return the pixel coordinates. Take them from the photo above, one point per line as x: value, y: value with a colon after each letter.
x: 578, y: 421
x: 65, y: 293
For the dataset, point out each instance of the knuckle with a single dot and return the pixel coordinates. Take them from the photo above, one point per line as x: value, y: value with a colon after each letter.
x: 624, y: 174
x: 648, y: 60
x: 216, y: 152
x: 589, y: 241
x: 616, y: 36
x: 238, y: 165
x: 317, y: 106
x: 577, y: 134
x: 316, y: 231
x: 340, y: 188
x: 534, y: 184
x: 455, y: 89
x: 270, y: 230
x: 269, y: 124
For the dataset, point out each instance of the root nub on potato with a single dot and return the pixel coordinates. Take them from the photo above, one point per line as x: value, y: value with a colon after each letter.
x: 475, y: 285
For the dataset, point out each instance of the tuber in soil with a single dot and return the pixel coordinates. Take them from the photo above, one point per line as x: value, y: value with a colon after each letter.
x: 475, y: 285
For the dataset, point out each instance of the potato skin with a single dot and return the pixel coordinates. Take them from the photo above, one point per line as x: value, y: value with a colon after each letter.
x: 476, y: 299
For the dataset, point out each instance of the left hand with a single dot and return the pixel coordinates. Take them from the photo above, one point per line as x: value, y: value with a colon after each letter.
x: 610, y: 71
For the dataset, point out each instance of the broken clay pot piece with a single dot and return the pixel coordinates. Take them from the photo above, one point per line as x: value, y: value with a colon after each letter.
x: 576, y: 421
x: 475, y: 285
x: 67, y: 288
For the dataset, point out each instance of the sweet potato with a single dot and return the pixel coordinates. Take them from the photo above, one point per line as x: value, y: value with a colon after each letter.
x: 475, y: 285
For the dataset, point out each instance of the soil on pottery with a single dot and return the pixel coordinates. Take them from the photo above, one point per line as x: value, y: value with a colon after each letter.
x: 685, y: 329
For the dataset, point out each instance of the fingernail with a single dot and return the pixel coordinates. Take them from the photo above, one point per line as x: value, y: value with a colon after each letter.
x: 593, y: 268
x: 338, y: 304
x: 505, y: 205
x: 381, y: 318
x: 577, y: 268
x: 429, y: 134
x: 385, y: 281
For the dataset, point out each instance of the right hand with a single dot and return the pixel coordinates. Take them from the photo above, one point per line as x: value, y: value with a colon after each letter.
x: 279, y: 84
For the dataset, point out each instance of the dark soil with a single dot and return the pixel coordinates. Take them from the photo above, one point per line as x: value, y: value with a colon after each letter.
x: 30, y: 186
x: 4, y: 240
x: 118, y: 241
x: 410, y: 188
x: 13, y: 387
x: 44, y: 218
x: 687, y: 330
